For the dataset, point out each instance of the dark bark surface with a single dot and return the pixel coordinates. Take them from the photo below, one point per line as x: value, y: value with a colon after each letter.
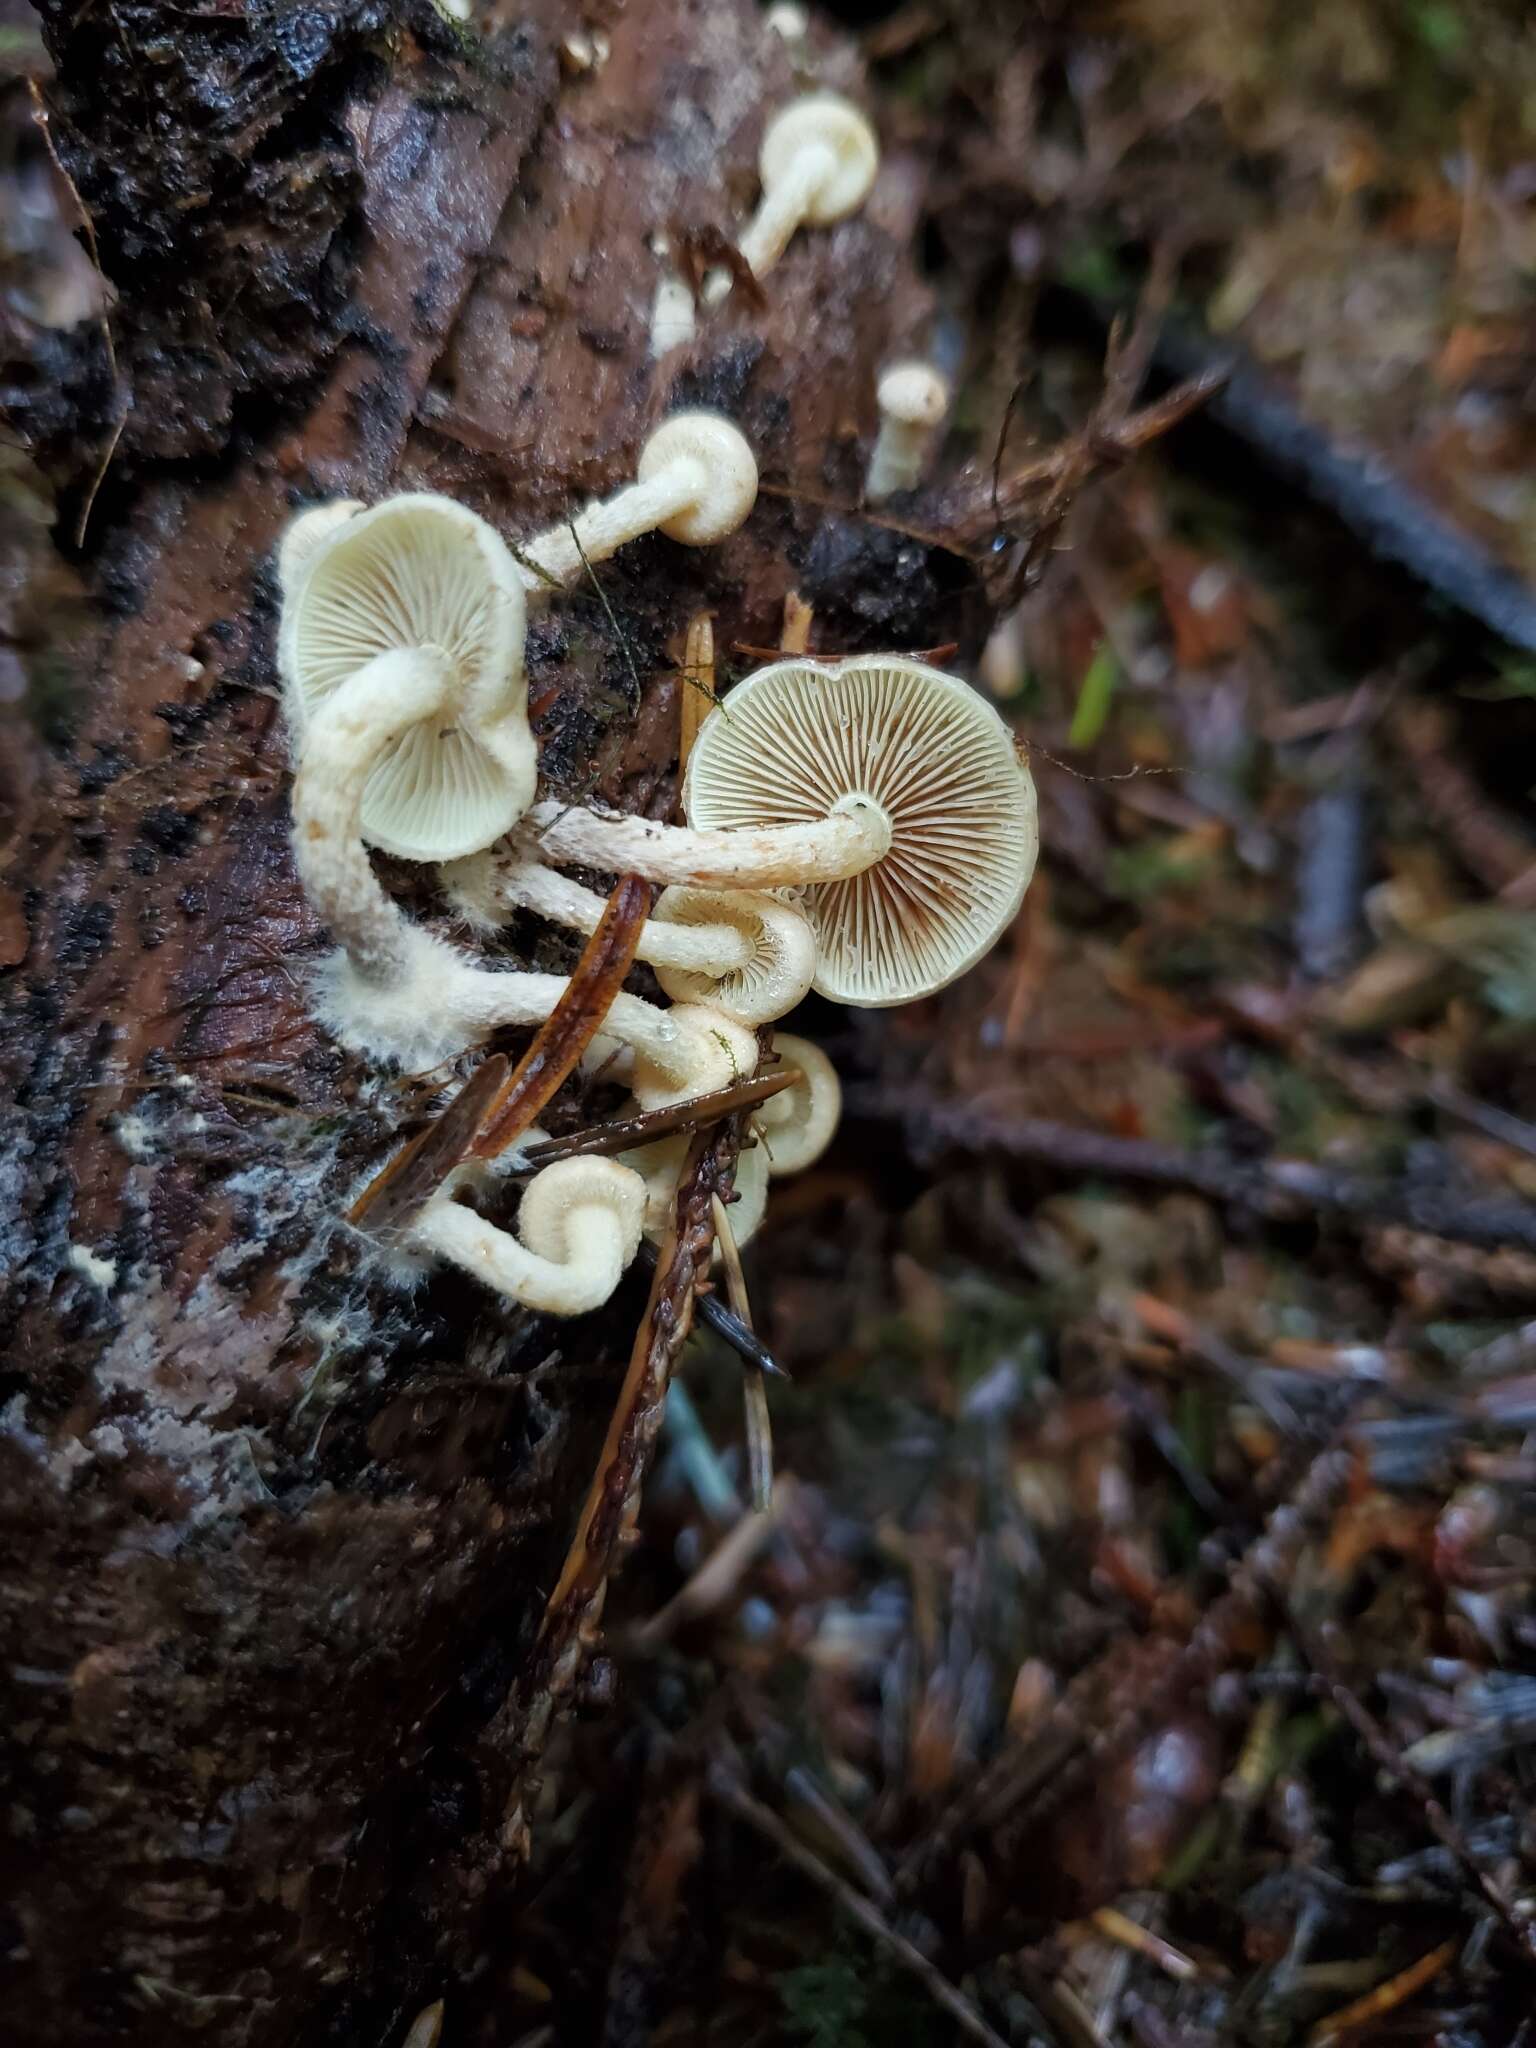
x: 276, y: 1537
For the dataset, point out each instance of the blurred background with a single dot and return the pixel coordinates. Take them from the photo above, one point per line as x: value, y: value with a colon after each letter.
x: 1144, y: 1619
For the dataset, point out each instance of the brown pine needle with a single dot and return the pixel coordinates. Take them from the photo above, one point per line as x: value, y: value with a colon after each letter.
x: 698, y: 697
x: 622, y: 1134
x: 1128, y: 1933
x: 419, y: 1169
x: 575, y: 1020
x: 1363, y: 2012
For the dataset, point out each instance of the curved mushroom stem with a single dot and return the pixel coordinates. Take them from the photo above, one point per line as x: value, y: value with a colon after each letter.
x: 598, y: 1235
x: 341, y: 746
x: 604, y: 528
x: 785, y: 204
x: 852, y: 838
x: 482, y: 895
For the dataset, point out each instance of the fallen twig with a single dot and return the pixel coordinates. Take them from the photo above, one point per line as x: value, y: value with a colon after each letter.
x: 574, y: 1022
x: 574, y: 1608
x: 712, y: 1310
x: 622, y: 1134
x: 1276, y: 1188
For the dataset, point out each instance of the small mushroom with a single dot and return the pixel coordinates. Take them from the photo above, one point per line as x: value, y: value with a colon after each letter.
x: 751, y: 955
x: 889, y: 792
x: 937, y: 765
x: 788, y: 20
x: 913, y: 400
x: 697, y: 481
x: 578, y: 1227
x: 424, y: 578
x: 715, y: 1051
x: 661, y: 1163
x: 798, y: 1124
x: 817, y: 163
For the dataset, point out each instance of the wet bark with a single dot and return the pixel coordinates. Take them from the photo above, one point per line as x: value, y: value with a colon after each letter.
x: 276, y: 1534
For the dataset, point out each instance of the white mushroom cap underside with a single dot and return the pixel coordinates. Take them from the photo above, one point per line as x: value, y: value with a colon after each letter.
x: 419, y: 571
x: 796, y: 738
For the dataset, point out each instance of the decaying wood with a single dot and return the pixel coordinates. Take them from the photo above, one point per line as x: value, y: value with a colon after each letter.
x: 279, y: 1530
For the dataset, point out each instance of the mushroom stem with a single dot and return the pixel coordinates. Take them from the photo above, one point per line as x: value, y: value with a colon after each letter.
x: 525, y: 885
x: 697, y: 481
x: 584, y: 1230
x: 395, y: 990
x: 852, y: 838
x: 785, y: 204
x: 603, y: 529
x: 341, y: 745
x: 913, y: 399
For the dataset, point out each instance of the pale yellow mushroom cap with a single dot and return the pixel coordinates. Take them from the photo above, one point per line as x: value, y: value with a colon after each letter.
x: 914, y: 394
x: 726, y: 469
x: 418, y: 571
x: 824, y: 121
x: 549, y: 1218
x: 303, y: 535
x: 798, y: 739
x: 799, y: 1124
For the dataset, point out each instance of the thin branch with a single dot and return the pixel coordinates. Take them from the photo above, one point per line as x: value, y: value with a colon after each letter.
x: 725, y: 1787
x: 575, y: 1020
x: 1278, y: 1188
x: 1379, y: 1747
x: 622, y: 1134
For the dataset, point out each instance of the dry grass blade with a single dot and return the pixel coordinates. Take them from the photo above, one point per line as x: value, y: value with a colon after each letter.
x: 754, y: 1393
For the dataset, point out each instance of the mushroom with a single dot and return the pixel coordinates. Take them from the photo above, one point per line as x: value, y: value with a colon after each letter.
x: 817, y: 163
x: 396, y: 991
x: 697, y: 481
x: 913, y: 400
x: 938, y: 766
x: 714, y: 1051
x: 425, y: 578
x: 578, y: 1227
x: 797, y: 1125
x: 304, y: 534
x: 751, y: 955
x: 888, y: 791
x: 673, y: 320
x: 661, y: 1163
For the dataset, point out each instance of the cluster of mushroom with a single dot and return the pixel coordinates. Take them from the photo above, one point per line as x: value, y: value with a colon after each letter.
x: 864, y: 828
